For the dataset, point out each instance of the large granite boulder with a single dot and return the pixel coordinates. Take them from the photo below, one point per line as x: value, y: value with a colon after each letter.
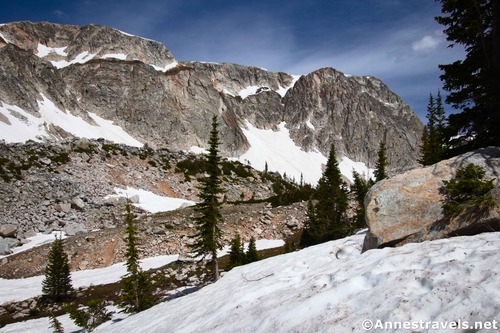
x: 407, y: 207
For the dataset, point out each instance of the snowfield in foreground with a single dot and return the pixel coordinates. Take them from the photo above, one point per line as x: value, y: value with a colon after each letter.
x: 333, y: 288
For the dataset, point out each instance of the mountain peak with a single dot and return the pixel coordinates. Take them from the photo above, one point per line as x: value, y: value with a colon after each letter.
x: 137, y: 85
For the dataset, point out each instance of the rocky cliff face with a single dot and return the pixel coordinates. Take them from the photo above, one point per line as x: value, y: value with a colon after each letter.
x: 354, y: 113
x: 137, y: 84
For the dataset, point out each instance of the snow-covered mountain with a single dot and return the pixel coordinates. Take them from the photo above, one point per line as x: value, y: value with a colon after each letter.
x: 58, y: 81
x: 446, y: 285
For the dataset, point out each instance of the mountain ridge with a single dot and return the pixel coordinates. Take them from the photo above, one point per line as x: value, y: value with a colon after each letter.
x: 165, y: 103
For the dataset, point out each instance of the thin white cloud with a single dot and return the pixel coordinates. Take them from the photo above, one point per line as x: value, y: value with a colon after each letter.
x: 59, y: 13
x: 426, y: 44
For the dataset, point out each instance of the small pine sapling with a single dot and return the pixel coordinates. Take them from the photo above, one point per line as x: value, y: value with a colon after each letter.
x: 236, y: 253
x: 55, y: 324
x: 251, y: 254
x: 468, y: 189
x: 91, y: 316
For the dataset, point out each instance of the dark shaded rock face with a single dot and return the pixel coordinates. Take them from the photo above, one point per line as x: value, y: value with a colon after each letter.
x: 137, y: 84
x: 407, y: 207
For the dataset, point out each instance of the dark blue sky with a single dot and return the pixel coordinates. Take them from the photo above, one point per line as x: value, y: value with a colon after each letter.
x: 397, y: 41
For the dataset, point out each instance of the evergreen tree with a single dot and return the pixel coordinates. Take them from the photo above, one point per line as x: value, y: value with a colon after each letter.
x: 327, y: 219
x: 137, y: 290
x: 91, y: 316
x: 251, y: 255
x: 433, y: 145
x: 57, y: 283
x: 208, y: 234
x: 467, y: 189
x: 424, y: 147
x: 380, y: 172
x: 55, y: 324
x: 473, y: 82
x: 236, y: 253
x: 360, y: 187
x: 440, y: 119
x: 310, y: 234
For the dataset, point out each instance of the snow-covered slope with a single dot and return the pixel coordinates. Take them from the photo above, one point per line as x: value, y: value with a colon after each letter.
x: 281, y: 154
x: 447, y: 285
x: 333, y: 288
x: 20, y: 126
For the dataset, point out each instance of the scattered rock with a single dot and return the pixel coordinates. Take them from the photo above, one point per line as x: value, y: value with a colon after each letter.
x: 293, y: 223
x: 77, y: 203
x: 29, y: 233
x: 134, y: 199
x: 4, y: 247
x: 63, y: 207
x: 72, y: 229
x: 83, y: 265
x: 8, y: 230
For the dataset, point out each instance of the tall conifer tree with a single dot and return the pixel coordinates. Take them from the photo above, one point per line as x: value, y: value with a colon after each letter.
x: 137, y: 291
x: 328, y: 218
x: 208, y: 236
x: 360, y: 187
x: 380, y: 167
x: 473, y: 82
x: 57, y: 283
x: 236, y: 252
x: 432, y: 149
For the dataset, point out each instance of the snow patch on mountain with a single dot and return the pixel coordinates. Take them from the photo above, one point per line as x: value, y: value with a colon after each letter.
x: 283, y: 90
x: 35, y: 241
x: 252, y: 90
x: 256, y: 89
x: 20, y: 126
x: 310, y: 125
x: 21, y: 289
x: 347, y: 166
x: 44, y: 51
x: 3, y: 37
x: 150, y: 201
x: 17, y: 125
x: 166, y: 67
x: 81, y: 58
x: 119, y: 56
x: 281, y: 154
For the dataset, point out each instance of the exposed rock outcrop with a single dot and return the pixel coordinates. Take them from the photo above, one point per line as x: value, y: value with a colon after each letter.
x: 407, y: 207
x: 137, y: 84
